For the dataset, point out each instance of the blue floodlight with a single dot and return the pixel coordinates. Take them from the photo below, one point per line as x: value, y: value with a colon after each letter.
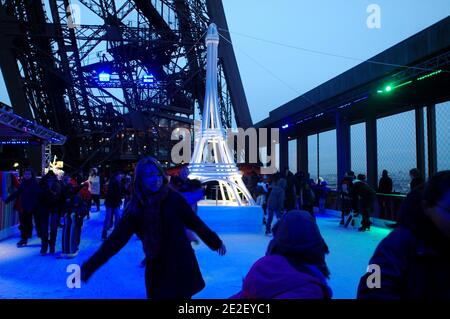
x: 148, y: 78
x: 104, y: 77
x: 285, y: 126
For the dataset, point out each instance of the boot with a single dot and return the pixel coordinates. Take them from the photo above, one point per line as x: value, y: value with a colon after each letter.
x: 52, y: 249
x: 44, y: 248
x: 22, y: 243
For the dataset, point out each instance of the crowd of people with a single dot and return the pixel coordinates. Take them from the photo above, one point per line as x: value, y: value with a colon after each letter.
x: 161, y: 211
x: 283, y: 192
x: 62, y: 201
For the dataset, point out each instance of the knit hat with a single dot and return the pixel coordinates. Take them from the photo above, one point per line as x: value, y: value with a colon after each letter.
x: 298, y: 235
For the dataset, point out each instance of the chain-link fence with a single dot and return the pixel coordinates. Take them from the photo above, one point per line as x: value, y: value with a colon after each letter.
x: 328, y: 158
x: 358, y: 148
x: 292, y: 151
x: 312, y: 157
x: 443, y: 135
x: 396, y: 141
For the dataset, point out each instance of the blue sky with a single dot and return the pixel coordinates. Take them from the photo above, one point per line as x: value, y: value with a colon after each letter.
x: 337, y: 27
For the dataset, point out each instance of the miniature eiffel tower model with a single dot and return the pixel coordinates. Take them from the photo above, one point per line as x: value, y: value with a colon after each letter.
x: 212, y: 159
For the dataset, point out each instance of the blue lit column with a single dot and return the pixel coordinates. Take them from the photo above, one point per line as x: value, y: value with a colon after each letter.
x: 420, y: 140
x: 431, y: 134
x: 371, y: 149
x: 284, y: 151
x: 302, y: 153
x: 342, y: 146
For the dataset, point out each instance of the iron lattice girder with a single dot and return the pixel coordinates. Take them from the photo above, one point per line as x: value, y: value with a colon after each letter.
x: 19, y: 123
x: 170, y: 34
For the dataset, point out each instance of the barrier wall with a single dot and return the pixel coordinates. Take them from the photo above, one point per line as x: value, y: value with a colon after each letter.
x: 9, y: 218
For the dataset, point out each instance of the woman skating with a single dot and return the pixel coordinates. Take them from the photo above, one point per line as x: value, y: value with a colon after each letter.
x: 159, y: 215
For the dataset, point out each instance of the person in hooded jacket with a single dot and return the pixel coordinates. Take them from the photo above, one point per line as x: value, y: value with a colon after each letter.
x: 159, y: 215
x: 290, y: 190
x: 275, y: 201
x: 414, y: 259
x: 294, y: 266
x: 113, y: 201
x: 28, y: 194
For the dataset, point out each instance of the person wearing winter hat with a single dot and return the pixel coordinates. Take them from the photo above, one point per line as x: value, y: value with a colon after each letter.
x: 294, y: 266
x: 158, y: 215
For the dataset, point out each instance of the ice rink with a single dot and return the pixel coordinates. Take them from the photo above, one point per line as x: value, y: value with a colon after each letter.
x: 26, y: 274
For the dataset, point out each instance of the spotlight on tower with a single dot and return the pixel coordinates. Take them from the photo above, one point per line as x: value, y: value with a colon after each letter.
x: 104, y: 77
x: 148, y: 78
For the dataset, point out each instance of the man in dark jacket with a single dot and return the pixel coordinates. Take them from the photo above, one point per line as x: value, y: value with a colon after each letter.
x: 414, y: 259
x: 28, y: 194
x: 385, y: 187
x: 113, y: 200
x: 365, y: 196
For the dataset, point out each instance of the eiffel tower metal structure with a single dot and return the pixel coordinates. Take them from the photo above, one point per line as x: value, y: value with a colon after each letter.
x: 212, y: 159
x: 52, y: 63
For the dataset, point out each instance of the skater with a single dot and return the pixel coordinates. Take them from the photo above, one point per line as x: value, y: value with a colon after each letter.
x: 290, y: 190
x: 294, y: 266
x: 414, y: 258
x: 159, y: 216
x: 76, y: 211
x: 51, y: 209
x: 28, y: 195
x: 385, y: 187
x: 365, y: 196
x: 347, y: 197
x: 323, y: 191
x: 275, y: 202
x: 113, y: 201
x: 86, y: 197
x: 308, y: 195
x: 127, y: 190
x: 94, y: 188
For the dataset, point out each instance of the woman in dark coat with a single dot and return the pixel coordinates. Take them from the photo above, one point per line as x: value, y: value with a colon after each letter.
x: 159, y: 215
x: 28, y: 194
x: 414, y: 259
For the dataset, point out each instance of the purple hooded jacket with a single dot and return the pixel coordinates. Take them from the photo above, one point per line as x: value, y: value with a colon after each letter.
x: 273, y: 277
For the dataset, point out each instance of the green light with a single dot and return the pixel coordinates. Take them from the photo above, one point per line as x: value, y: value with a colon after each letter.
x: 402, y: 84
x: 388, y: 88
x: 429, y: 75
x: 380, y: 91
